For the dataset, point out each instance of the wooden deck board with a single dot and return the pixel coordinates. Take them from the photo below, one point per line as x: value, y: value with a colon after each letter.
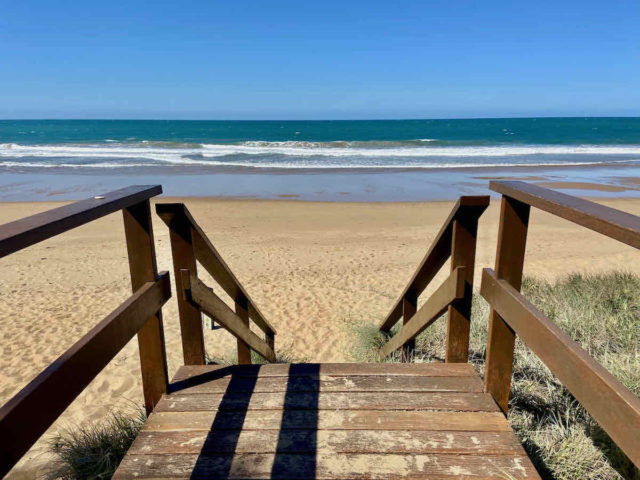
x: 456, y: 401
x: 329, y: 383
x: 327, y: 421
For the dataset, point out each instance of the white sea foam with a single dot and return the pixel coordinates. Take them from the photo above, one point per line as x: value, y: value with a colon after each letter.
x: 305, y: 155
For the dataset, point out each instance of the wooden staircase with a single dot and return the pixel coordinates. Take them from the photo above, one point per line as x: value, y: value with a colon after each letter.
x: 327, y: 421
x: 324, y: 421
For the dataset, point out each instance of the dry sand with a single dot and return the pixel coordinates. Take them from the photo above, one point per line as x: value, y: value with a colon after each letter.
x: 313, y: 268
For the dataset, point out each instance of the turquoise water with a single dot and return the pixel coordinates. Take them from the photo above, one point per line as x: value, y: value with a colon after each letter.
x: 182, y: 147
x: 553, y: 131
x: 316, y: 160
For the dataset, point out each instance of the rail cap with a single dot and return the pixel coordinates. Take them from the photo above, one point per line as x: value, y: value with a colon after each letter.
x: 616, y: 224
x: 28, y: 231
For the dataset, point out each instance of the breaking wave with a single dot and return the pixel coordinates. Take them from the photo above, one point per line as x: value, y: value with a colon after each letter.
x: 419, y: 153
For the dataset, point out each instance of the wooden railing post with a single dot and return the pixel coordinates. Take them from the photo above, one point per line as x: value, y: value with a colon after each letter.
x: 180, y: 234
x: 244, y: 352
x: 270, y: 338
x: 409, y: 307
x: 143, y: 269
x: 463, y: 254
x: 512, y: 239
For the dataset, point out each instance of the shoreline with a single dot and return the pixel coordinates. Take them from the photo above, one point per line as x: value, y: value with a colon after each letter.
x: 602, y: 181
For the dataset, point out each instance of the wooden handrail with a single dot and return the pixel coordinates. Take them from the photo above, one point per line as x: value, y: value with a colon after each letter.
x: 466, y: 208
x: 517, y: 199
x: 453, y: 288
x: 615, y: 408
x: 196, y: 292
x: 456, y: 239
x: 27, y: 231
x: 611, y: 404
x: 25, y: 417
x: 621, y: 226
x: 188, y: 244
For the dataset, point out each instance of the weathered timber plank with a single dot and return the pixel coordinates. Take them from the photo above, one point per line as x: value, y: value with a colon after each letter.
x: 611, y: 404
x: 451, y: 289
x: 212, y: 305
x: 454, y: 401
x: 616, y: 224
x: 463, y: 254
x: 467, y: 207
x: 350, y: 383
x: 327, y: 442
x: 330, y: 420
x: 27, y: 231
x: 184, y: 257
x: 244, y: 352
x: 512, y: 241
x: 409, y: 308
x: 304, y: 369
x: 138, y: 231
x: 352, y: 466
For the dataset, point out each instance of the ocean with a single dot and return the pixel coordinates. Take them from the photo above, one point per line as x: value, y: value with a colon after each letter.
x: 167, y: 149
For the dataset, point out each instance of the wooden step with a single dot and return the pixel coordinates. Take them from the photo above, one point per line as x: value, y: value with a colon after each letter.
x: 327, y: 421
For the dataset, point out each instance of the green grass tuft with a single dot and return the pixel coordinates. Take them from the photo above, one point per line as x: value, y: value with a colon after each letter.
x: 282, y: 356
x: 602, y: 313
x: 94, y: 452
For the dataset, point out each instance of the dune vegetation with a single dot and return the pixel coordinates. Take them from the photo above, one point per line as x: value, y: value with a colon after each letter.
x: 602, y: 313
x: 94, y: 451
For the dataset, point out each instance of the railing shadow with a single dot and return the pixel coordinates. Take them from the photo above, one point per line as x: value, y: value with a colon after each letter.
x: 296, y: 447
x: 216, y: 455
x: 239, y: 375
x: 298, y: 437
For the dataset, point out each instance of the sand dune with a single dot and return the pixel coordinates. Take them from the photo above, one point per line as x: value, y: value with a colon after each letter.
x: 313, y: 268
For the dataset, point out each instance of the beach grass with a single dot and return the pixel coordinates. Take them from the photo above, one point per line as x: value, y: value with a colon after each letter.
x: 94, y: 451
x: 602, y: 313
x: 282, y: 356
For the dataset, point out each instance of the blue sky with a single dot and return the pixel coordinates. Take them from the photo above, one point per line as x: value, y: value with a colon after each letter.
x: 315, y: 60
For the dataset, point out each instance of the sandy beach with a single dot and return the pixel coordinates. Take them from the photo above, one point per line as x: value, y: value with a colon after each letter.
x: 312, y: 268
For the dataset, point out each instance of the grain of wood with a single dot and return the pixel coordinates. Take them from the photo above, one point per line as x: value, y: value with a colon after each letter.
x: 327, y: 442
x: 328, y: 369
x: 346, y: 383
x: 452, y: 401
x: 330, y: 420
x: 350, y: 466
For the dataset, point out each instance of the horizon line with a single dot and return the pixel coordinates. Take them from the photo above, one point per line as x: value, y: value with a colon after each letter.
x: 109, y: 119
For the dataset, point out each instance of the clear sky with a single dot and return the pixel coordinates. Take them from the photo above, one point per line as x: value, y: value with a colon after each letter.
x: 308, y: 59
